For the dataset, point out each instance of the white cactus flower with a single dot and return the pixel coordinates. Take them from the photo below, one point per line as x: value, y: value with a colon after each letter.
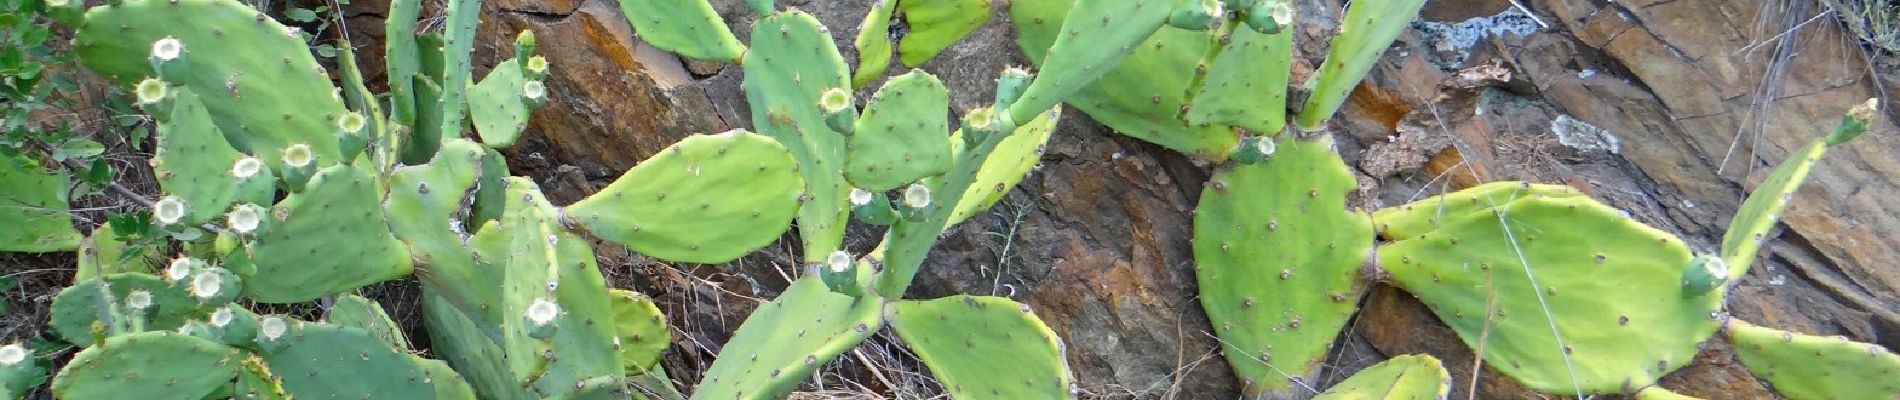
x: 12, y: 354
x: 246, y: 167
x: 244, y: 218
x: 138, y: 299
x: 537, y: 64
x: 1264, y: 145
x: 151, y: 90
x: 272, y: 327
x: 860, y: 197
x: 917, y: 196
x: 981, y: 118
x: 534, y: 90
x: 298, y: 155
x: 1282, y: 13
x: 206, y: 284
x: 167, y: 49
x: 351, y: 122
x: 543, y: 311
x: 838, y: 261
x: 181, y: 268
x: 834, y: 100
x: 221, y: 317
x: 169, y: 210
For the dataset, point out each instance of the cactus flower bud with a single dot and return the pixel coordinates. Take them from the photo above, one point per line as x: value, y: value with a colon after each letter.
x: 180, y: 269
x: 534, y: 90
x: 206, y: 284
x: 272, y: 327
x: 917, y: 196
x: 244, y: 218
x: 537, y: 65
x: 351, y: 122
x: 167, y: 49
x: 838, y: 261
x: 543, y: 311
x: 221, y: 317
x: 151, y: 90
x: 834, y: 100
x: 298, y: 155
x: 138, y: 299
x: 1855, y: 122
x: 12, y: 354
x: 860, y: 197
x: 169, y: 210
x: 246, y: 167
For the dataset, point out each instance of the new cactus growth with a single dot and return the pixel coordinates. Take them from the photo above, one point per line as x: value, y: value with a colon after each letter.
x: 640, y: 332
x: 937, y: 24
x: 501, y: 103
x: 1764, y: 206
x: 1804, y: 367
x: 984, y: 347
x: 1278, y: 259
x: 1414, y: 376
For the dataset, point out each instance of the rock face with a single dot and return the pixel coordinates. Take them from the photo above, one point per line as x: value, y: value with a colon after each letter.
x: 1669, y: 109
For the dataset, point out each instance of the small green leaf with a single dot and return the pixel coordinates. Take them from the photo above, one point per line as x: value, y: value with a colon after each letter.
x: 78, y: 148
x: 300, y: 14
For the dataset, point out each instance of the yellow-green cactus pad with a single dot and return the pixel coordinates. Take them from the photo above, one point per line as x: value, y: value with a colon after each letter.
x: 937, y: 24
x: 1420, y: 217
x: 903, y: 135
x: 1407, y: 377
x: 1367, y: 30
x: 706, y: 199
x: 984, y: 347
x: 1006, y: 166
x: 689, y: 28
x: 788, y: 338
x: 1247, y: 84
x: 793, y: 62
x: 1805, y: 367
x: 640, y: 331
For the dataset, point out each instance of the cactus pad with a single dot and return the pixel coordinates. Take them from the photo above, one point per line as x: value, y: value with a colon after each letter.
x: 329, y: 361
x: 328, y: 239
x: 1804, y: 367
x: 105, y: 253
x: 34, y: 210
x: 706, y: 199
x: 422, y: 206
x: 1658, y: 393
x: 159, y: 365
x: 499, y: 106
x: 583, y: 346
x: 788, y: 338
x: 1759, y: 214
x: 460, y: 341
x: 937, y: 24
x: 1246, y: 86
x: 1421, y: 217
x: 791, y: 63
x: 1094, y: 34
x: 1279, y: 258
x: 1006, y: 166
x: 873, y: 44
x: 1599, y: 309
x: 357, y: 312
x: 1406, y: 377
x: 261, y: 84
x: 640, y: 331
x: 449, y: 385
x: 1364, y: 34
x: 102, y: 300
x: 984, y: 347
x: 458, y: 44
x: 686, y: 27
x: 903, y: 136
x: 196, y: 164
x: 1141, y: 96
x: 17, y: 376
x: 256, y: 382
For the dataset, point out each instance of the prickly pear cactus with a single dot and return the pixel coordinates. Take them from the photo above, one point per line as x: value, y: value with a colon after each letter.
x: 328, y: 239
x: 501, y: 103
x: 788, y: 338
x: 792, y: 63
x: 1567, y: 294
x: 1658, y: 393
x: 104, y: 252
x: 20, y: 371
x: 902, y: 136
x: 1421, y: 217
x: 195, y: 163
x: 162, y: 365
x: 1006, y: 166
x: 1246, y: 85
x: 984, y: 347
x: 873, y: 44
x: 689, y: 28
x: 1805, y: 367
x: 1141, y: 96
x: 937, y: 24
x: 706, y: 199
x: 110, y: 301
x: 422, y: 205
x: 1413, y: 376
x: 1365, y: 32
x: 354, y: 311
x: 328, y: 361
x: 259, y: 81
x: 34, y: 211
x: 1763, y: 208
x: 1278, y: 259
x: 640, y: 331
x: 1077, y: 51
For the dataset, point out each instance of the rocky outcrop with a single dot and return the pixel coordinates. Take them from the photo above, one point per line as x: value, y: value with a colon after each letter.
x: 1670, y: 109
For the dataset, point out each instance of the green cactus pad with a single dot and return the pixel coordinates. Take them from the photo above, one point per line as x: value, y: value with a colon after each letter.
x: 458, y: 45
x: 158, y: 365
x: 256, y: 382
x: 488, y: 191
x: 357, y: 312
x: 903, y: 135
x: 1613, y: 283
x: 706, y: 199
x: 422, y: 205
x: 34, y: 210
x: 937, y: 24
x: 1364, y: 34
x: 102, y: 299
x: 105, y: 253
x: 1658, y: 393
x: 689, y: 28
x: 18, y: 377
x: 1759, y: 214
x: 404, y: 58
x: 1006, y: 166
x: 449, y: 385
x: 499, y: 106
x: 195, y: 163
x: 1142, y: 96
x: 1406, y: 377
x: 261, y: 84
x: 1804, y: 367
x: 336, y: 362
x: 461, y: 342
x: 873, y: 44
x: 1246, y: 86
x: 329, y: 239
x: 1278, y: 259
x: 583, y: 346
x: 640, y: 331
x: 984, y: 347
x: 1103, y: 33
x: 785, y: 340
x: 1421, y: 217
x: 791, y: 63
